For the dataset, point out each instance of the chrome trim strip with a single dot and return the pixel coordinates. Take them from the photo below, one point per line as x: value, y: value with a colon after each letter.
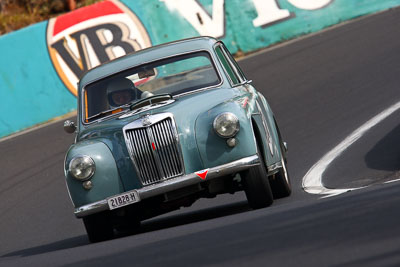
x: 174, y: 183
x: 266, y: 129
x: 219, y: 44
x: 274, y: 168
x: 92, y: 208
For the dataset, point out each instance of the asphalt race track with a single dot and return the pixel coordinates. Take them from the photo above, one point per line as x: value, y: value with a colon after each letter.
x: 321, y: 88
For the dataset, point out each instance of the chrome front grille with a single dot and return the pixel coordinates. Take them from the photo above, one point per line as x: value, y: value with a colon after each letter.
x: 154, y: 148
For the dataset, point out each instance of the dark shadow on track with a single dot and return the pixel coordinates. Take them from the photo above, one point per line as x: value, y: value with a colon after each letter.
x: 147, y: 226
x: 281, y: 238
x: 385, y: 155
x: 59, y: 245
x: 194, y: 216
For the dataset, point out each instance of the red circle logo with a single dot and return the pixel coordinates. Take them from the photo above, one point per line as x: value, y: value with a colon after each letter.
x: 89, y: 36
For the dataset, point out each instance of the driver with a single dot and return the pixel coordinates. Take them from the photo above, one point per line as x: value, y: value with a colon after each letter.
x: 122, y: 91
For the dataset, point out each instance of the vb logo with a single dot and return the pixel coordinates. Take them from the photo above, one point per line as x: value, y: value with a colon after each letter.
x: 90, y: 36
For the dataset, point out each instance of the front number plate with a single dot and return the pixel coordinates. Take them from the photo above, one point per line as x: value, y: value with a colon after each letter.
x: 123, y: 200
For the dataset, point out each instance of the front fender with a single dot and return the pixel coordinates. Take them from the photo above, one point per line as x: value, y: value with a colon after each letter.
x: 213, y: 149
x: 106, y: 181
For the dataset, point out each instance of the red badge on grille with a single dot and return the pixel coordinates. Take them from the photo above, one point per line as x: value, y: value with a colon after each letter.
x: 202, y: 174
x: 154, y: 146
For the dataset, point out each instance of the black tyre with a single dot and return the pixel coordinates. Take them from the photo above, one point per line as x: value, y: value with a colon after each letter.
x: 256, y: 186
x: 280, y: 182
x: 129, y: 224
x: 98, y: 227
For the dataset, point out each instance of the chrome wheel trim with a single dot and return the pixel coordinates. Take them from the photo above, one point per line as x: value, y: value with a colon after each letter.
x: 284, y: 170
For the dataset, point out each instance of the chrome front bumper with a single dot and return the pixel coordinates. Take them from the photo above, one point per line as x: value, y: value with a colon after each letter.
x: 173, y: 184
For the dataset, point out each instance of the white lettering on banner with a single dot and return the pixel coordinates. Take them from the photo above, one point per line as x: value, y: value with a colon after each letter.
x: 198, y: 17
x: 310, y: 4
x: 268, y: 12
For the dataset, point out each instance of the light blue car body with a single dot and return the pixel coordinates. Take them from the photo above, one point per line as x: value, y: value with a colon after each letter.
x: 193, y: 113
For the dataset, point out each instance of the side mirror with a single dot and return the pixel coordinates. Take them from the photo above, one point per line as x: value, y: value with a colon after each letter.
x: 69, y: 126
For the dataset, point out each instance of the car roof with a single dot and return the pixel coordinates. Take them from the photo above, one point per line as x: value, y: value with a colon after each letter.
x: 146, y: 55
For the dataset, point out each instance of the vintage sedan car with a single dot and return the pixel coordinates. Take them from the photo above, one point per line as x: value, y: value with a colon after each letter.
x: 162, y: 127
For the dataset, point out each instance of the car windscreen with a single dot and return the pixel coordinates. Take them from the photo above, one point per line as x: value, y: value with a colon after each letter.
x: 174, y: 75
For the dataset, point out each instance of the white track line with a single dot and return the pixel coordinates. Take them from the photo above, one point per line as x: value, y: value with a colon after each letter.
x: 392, y: 181
x: 312, y: 181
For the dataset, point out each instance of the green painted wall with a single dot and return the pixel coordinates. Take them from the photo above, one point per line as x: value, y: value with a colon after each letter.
x: 30, y: 89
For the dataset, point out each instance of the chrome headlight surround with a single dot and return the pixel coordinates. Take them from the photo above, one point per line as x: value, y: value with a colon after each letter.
x: 82, y: 167
x: 226, y: 125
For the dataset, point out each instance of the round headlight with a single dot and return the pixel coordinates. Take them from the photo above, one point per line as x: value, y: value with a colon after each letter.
x: 226, y: 125
x: 82, y: 167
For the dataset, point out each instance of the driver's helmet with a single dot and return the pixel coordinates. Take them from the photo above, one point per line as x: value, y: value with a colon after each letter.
x: 121, y: 91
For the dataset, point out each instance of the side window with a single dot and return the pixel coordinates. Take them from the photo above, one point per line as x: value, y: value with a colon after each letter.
x: 227, y: 65
x: 234, y: 64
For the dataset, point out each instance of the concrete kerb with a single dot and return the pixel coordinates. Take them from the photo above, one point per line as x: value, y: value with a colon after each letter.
x: 69, y: 115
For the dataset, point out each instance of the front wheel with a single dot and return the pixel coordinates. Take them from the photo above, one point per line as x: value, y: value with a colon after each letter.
x: 256, y: 186
x: 98, y: 227
x: 280, y: 182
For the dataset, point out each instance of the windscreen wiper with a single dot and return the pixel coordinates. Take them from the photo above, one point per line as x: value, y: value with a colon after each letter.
x: 150, y: 100
x: 103, y: 113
